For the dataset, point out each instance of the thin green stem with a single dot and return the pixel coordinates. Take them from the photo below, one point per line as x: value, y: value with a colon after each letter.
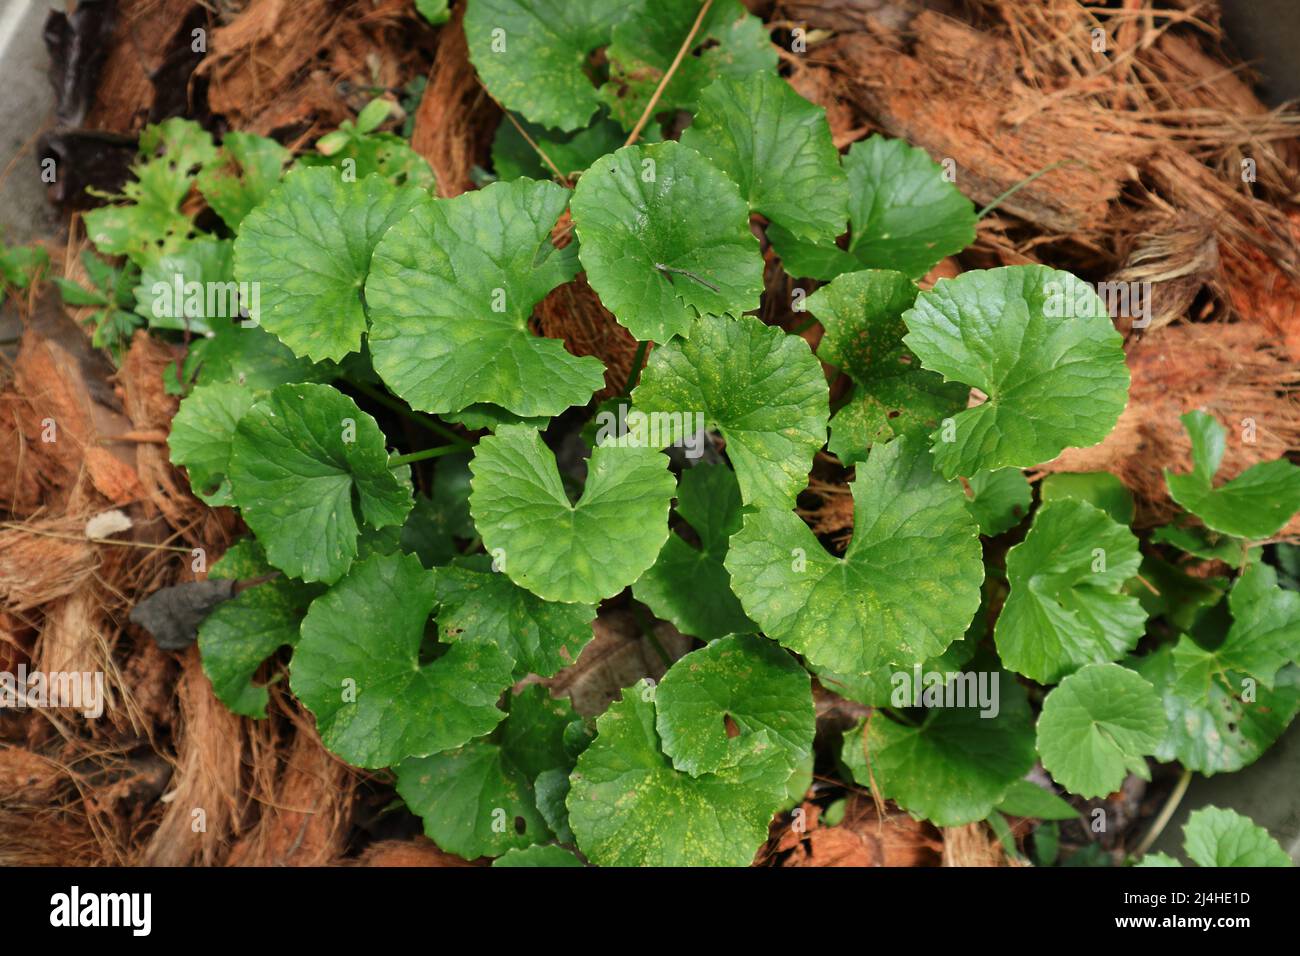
x: 1025, y: 182
x: 422, y: 455
x: 634, y: 373
x: 401, y: 408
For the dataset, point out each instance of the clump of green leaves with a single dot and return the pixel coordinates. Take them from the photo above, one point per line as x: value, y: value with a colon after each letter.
x: 422, y: 597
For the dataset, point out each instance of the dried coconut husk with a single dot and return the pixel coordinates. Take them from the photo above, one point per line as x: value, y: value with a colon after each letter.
x: 975, y: 845
x: 406, y: 853
x: 305, y: 798
x: 456, y: 119
x: 953, y: 90
x: 574, y: 314
x: 1231, y: 370
x: 866, y: 836
x: 306, y: 65
x: 125, y: 91
x: 208, y: 778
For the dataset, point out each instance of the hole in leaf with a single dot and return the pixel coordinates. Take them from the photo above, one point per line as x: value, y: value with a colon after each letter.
x: 520, y: 825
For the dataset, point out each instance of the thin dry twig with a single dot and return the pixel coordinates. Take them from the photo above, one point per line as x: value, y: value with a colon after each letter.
x: 668, y: 75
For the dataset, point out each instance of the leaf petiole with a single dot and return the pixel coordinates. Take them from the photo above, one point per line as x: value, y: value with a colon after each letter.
x: 415, y: 456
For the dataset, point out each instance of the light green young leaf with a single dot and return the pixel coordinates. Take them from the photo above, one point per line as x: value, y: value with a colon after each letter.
x: 360, y: 154
x: 1096, y: 726
x: 576, y: 553
x: 954, y: 766
x: 1217, y: 837
x: 777, y: 146
x: 748, y: 681
x: 149, y: 222
x: 1211, y: 727
x: 451, y: 289
x: 1256, y: 504
x: 201, y: 435
x: 474, y: 799
x: 862, y: 315
x: 305, y: 463
x: 1067, y: 607
x: 1027, y: 799
x: 1263, y: 638
x: 434, y: 11
x: 1157, y: 859
x: 903, y: 214
x: 532, y: 55
x: 242, y: 561
x: 762, y: 388
x: 358, y: 668
x: 905, y: 589
x: 689, y: 585
x: 664, y: 236
x: 628, y: 806
x: 246, y: 169
x: 476, y: 604
x: 1040, y: 344
x: 163, y: 299
x: 999, y: 499
x: 730, y: 42
x: 241, y: 633
x: 309, y: 247
x: 543, y: 856
x: 1099, y: 488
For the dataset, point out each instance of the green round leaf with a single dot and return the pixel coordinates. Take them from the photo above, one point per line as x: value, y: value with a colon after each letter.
x: 544, y: 856
x: 577, y: 553
x: 476, y: 604
x: 1211, y: 728
x: 1099, y: 488
x: 358, y: 668
x: 1216, y: 837
x: 1040, y: 344
x: 308, y: 248
x: 777, y: 146
x: 764, y: 389
x: 1255, y: 505
x: 730, y: 42
x: 954, y: 765
x: 189, y: 289
x: 241, y: 633
x: 628, y: 806
x: 572, y: 153
x: 664, y: 235
x: 532, y: 55
x: 1096, y: 726
x: 1027, y: 799
x: 478, y: 800
x: 748, y: 681
x: 451, y: 289
x: 999, y: 500
x: 690, y: 586
x: 892, y: 395
x: 201, y: 435
x: 906, y: 588
x: 1067, y: 607
x: 904, y: 214
x: 304, y: 462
